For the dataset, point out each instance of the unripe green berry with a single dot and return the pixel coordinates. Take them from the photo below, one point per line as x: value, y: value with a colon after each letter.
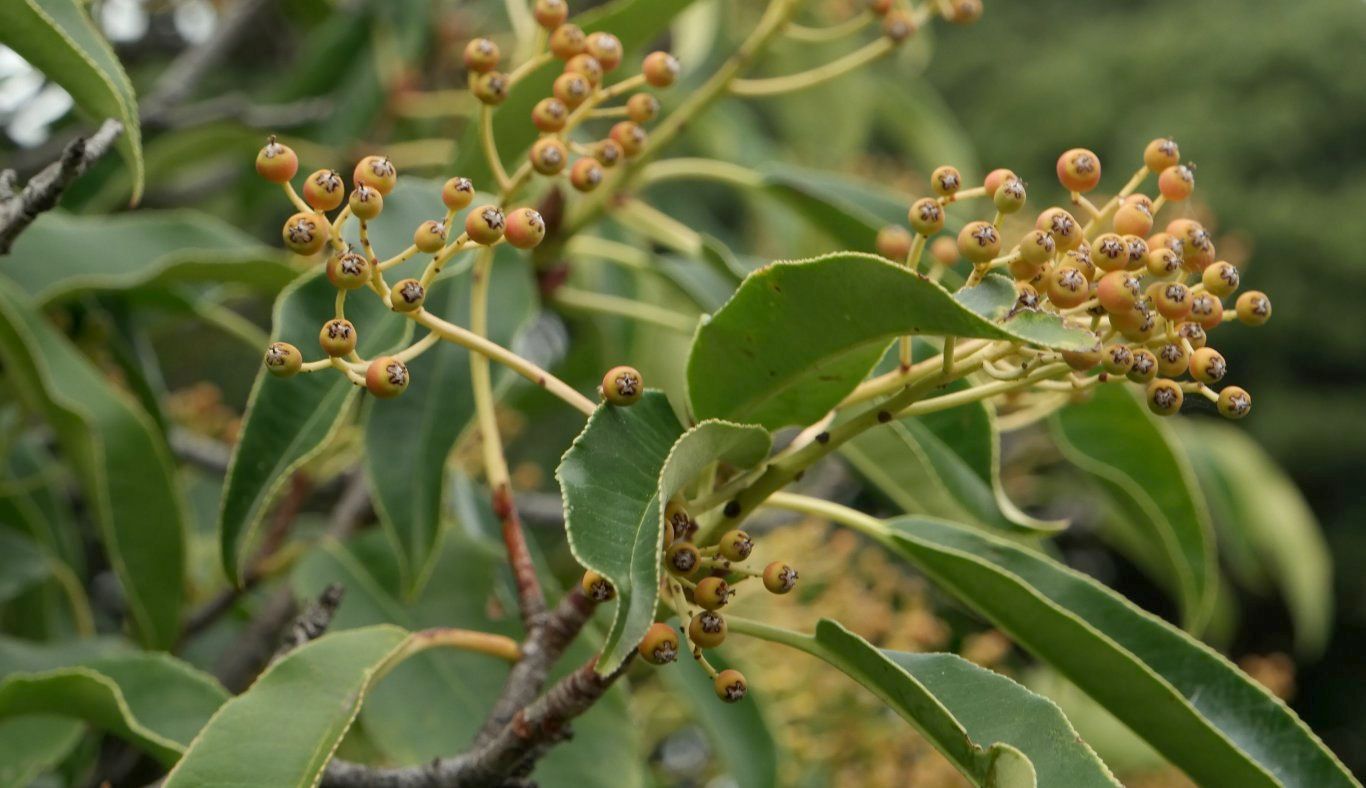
x: 457, y: 194
x: 549, y: 115
x: 386, y: 377
x: 1172, y: 300
x: 566, y: 41
x: 348, y: 271
x: 1172, y: 360
x: 585, y: 175
x: 1062, y: 226
x: 485, y: 225
x: 550, y: 14
x: 926, y: 216
x: 283, y: 359
x: 491, y: 88
x: 407, y: 295
x: 1221, y: 278
x: 1176, y: 182
x: 622, y: 385
x: 630, y: 136
x: 1253, y: 308
x: 1163, y: 263
x: 596, y: 587
x: 712, y: 593
x: 277, y: 163
x: 995, y: 178
x: 526, y: 228
x: 1010, y: 196
x: 305, y: 233
x: 1026, y: 297
x: 1208, y: 365
x: 660, y: 644
x: 1110, y: 252
x: 366, y: 202
x: 707, y: 629
x: 780, y: 577
x: 1161, y: 153
x: 549, y: 156
x: 642, y: 107
x: 586, y: 66
x: 481, y: 55
x: 1037, y: 247
x: 730, y: 686
x: 1144, y: 367
x: 1234, y: 403
x: 377, y: 172
x: 1164, y: 397
x: 945, y: 181
x: 1067, y: 287
x: 1207, y: 310
x: 735, y: 545
x: 682, y: 559
x: 430, y: 236
x: 572, y: 89
x: 1138, y: 252
x: 1117, y: 359
x: 1079, y: 170
x: 608, y: 153
x: 893, y: 242
x: 1133, y: 219
x: 337, y: 338
x: 324, y: 190
x: 660, y: 69
x: 1118, y: 292
x: 606, y: 48
x: 979, y: 242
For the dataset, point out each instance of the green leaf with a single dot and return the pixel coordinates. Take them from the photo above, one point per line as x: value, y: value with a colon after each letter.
x: 1183, y: 698
x: 739, y: 733
x: 1256, y: 502
x: 58, y: 38
x: 153, y: 701
x: 1114, y: 438
x: 23, y: 564
x: 616, y: 480
x: 32, y: 744
x: 407, y: 475
x: 132, y: 250
x: 122, y: 461
x: 958, y: 707
x: 851, y: 212
x: 797, y: 337
x: 284, y: 729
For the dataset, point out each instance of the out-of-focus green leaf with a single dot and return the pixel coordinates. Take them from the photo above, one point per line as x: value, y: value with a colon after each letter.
x: 798, y: 336
x: 123, y: 462
x: 850, y: 211
x: 1113, y: 437
x: 1255, y: 502
x: 138, y: 250
x: 22, y: 564
x: 1183, y: 698
x: 59, y: 39
x: 738, y: 731
x: 31, y: 744
x: 616, y: 480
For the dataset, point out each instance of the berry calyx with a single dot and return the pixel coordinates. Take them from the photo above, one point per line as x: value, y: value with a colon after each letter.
x: 1172, y: 360
x: 1207, y: 365
x: 707, y: 629
x: 485, y: 225
x: 1176, y: 182
x: 525, y: 228
x: 1079, y: 170
x: 1172, y: 300
x: 730, y: 686
x: 622, y: 386
x: 1067, y: 287
x: 979, y: 242
x: 587, y: 66
x: 926, y: 216
x: 1062, y: 226
x: 324, y: 190
x: 735, y: 545
x: 1037, y: 247
x: 283, y: 359
x: 945, y: 181
x: 348, y: 271
x: 366, y: 202
x: 386, y: 377
x: 1118, y: 292
x: 677, y: 518
x: 630, y: 136
x: 661, y: 69
x: 606, y: 48
x: 608, y: 153
x: 712, y: 593
x: 1010, y: 196
x: 1144, y: 367
x: 1161, y: 153
x: 337, y: 338
x: 277, y: 163
x: 481, y: 55
x: 1221, y: 278
x: 1207, y: 310
x: 1163, y: 263
x: 1117, y: 359
x: 549, y: 115
x: 642, y: 107
x: 549, y: 156
x: 567, y: 40
x: 585, y: 175
x: 430, y: 236
x: 682, y: 559
x: 457, y: 193
x: 1133, y: 219
x: 1253, y: 308
x: 780, y: 577
x: 550, y: 14
x: 491, y: 88
x: 1234, y: 403
x: 572, y: 89
x: 377, y: 172
x: 1164, y: 397
x: 660, y: 644
x: 305, y: 233
x: 407, y: 295
x: 1110, y: 252
x: 596, y: 587
x: 995, y: 178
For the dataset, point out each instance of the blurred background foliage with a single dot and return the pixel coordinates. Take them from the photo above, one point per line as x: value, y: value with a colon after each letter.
x: 1268, y: 99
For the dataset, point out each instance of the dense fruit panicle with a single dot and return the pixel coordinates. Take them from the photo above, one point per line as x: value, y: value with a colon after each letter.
x: 324, y: 190
x: 730, y: 686
x: 337, y: 337
x: 780, y: 577
x: 386, y: 377
x: 457, y: 193
x: 277, y: 163
x: 622, y: 385
x: 597, y: 587
x: 660, y: 644
x: 283, y: 359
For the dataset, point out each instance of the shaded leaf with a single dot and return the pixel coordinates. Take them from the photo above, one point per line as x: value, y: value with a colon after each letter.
x: 850, y: 211
x: 32, y: 744
x: 739, y: 733
x: 22, y: 564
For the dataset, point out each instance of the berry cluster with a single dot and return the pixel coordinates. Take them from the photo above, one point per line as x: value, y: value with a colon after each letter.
x: 1150, y: 299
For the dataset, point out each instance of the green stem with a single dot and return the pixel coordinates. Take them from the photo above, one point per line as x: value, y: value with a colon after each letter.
x: 762, y: 631
x: 791, y: 83
x: 603, y: 303
x: 696, y: 168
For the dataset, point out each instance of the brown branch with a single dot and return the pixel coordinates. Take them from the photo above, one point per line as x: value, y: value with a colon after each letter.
x: 530, y: 597
x: 41, y: 193
x: 313, y: 622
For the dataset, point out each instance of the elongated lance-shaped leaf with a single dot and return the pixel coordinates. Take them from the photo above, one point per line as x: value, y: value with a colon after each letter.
x: 122, y: 461
x: 1192, y: 705
x: 1114, y: 438
x: 617, y: 479
x: 59, y: 39
x: 797, y: 337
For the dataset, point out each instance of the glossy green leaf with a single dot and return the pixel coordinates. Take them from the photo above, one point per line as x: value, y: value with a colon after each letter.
x: 284, y: 729
x: 1114, y: 438
x: 152, y: 700
x: 142, y: 249
x: 407, y: 475
x: 1255, y: 502
x: 798, y: 336
x: 960, y: 709
x: 616, y: 480
x: 59, y: 39
x: 1183, y: 698
x: 123, y: 463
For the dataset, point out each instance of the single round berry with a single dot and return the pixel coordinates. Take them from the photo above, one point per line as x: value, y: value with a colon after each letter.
x: 457, y: 193
x: 305, y: 233
x: 1163, y: 263
x: 485, y: 224
x: 1133, y: 219
x: 660, y: 644
x: 682, y: 559
x: 677, y: 518
x: 572, y: 89
x: 550, y: 14
x: 491, y: 88
x: 1118, y: 292
x: 276, y: 162
x: 608, y: 153
x: 964, y: 12
x: 348, y: 271
x: 1194, y: 333
x: 1021, y: 269
x: 283, y: 359
x: 879, y: 7
x: 377, y: 172
x: 585, y: 175
x: 1037, y: 247
x: 735, y: 545
x: 642, y: 107
x: 730, y: 686
x: 995, y: 178
x: 1172, y: 360
x: 1010, y: 196
x: 1137, y: 326
x: 1207, y: 310
x: 1234, y: 403
x: 1062, y: 226
x: 596, y: 587
x: 630, y: 136
x: 549, y: 156
x: 1160, y: 154
x: 1067, y: 287
x: 526, y: 228
x: 779, y: 577
x: 1208, y: 366
x: 898, y: 26
x: 1084, y: 360
x: 386, y: 377
x: 1172, y: 300
x: 1079, y: 170
x: 979, y: 242
x: 1144, y: 367
x: 567, y: 40
x: 586, y: 66
x: 1176, y: 182
x: 893, y: 242
x: 606, y: 48
x: 481, y: 55
x: 1110, y: 252
x: 549, y: 115
x: 1164, y: 397
x: 622, y: 386
x: 945, y: 250
x: 945, y: 181
x: 712, y: 593
x: 1253, y: 308
x: 660, y: 69
x: 407, y: 295
x: 1117, y: 359
x: 324, y: 190
x: 430, y: 236
x: 337, y: 338
x: 366, y: 202
x: 926, y: 216
x: 1221, y: 278
x: 707, y: 629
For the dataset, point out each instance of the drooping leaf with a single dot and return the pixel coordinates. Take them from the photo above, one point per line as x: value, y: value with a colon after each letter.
x: 1183, y: 698
x: 59, y: 39
x: 122, y: 460
x: 616, y: 480
x: 133, y: 250
x: 1113, y: 437
x: 799, y: 336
